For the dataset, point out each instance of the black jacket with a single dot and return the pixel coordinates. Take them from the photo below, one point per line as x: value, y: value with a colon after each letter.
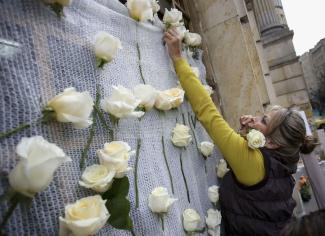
x: 262, y: 209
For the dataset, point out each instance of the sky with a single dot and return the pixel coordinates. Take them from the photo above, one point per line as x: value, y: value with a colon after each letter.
x: 307, y: 19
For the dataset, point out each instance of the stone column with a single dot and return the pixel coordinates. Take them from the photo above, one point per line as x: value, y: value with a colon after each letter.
x: 267, y: 19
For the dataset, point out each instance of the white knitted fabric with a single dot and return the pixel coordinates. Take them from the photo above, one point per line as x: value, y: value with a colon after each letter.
x: 56, y: 54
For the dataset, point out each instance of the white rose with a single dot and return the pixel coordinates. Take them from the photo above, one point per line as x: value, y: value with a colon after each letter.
x: 255, y: 139
x: 159, y: 200
x: 206, y: 148
x: 222, y: 168
x: 196, y: 72
x: 146, y: 94
x: 98, y: 178
x: 122, y: 103
x: 35, y: 170
x: 208, y: 89
x: 169, y: 99
x: 115, y: 156
x: 213, y: 221
x: 214, y: 232
x: 72, y: 106
x: 84, y: 217
x: 155, y: 6
x: 181, y: 30
x: 191, y: 220
x: 192, y: 39
x: 140, y: 10
x: 106, y: 46
x: 213, y: 193
x: 173, y: 17
x: 181, y: 136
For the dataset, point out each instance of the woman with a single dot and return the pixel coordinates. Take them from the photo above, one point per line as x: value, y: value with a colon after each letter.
x: 256, y: 195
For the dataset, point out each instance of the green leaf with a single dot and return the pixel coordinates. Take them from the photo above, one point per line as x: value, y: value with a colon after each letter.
x: 120, y: 188
x: 48, y: 115
x: 100, y: 62
x: 57, y: 8
x: 119, y: 208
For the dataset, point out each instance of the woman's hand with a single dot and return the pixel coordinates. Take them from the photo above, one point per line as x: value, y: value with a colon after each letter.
x: 244, y: 124
x: 245, y: 120
x: 174, y: 44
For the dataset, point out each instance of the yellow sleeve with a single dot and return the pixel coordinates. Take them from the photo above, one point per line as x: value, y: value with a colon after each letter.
x: 246, y: 163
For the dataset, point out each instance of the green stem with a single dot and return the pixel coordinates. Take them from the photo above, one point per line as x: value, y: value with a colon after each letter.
x: 183, y: 118
x: 205, y: 166
x: 132, y: 232
x: 193, y: 120
x: 194, y: 135
x: 161, y: 216
x: 165, y: 157
x: 187, y: 192
x: 8, y: 133
x: 102, y: 120
x: 14, y: 202
x: 88, y: 143
x: 93, y: 126
x: 136, y: 173
x: 140, y: 68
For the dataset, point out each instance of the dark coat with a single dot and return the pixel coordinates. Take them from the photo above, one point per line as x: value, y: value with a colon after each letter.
x: 262, y: 209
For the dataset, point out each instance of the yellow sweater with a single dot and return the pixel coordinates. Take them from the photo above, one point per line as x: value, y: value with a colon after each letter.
x: 246, y: 163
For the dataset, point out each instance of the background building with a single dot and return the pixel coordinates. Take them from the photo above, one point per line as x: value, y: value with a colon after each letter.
x: 313, y: 64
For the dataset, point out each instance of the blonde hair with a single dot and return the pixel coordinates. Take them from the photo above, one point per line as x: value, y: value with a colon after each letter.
x: 287, y: 129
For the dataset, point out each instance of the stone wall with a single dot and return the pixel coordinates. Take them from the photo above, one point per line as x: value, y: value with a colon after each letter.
x: 231, y: 56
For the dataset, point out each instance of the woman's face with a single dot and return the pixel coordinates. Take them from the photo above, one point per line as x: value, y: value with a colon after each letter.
x: 261, y: 122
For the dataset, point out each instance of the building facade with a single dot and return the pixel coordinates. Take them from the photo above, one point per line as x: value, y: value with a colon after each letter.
x: 249, y: 54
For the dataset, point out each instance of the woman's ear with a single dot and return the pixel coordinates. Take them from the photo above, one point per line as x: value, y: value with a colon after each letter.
x: 270, y: 145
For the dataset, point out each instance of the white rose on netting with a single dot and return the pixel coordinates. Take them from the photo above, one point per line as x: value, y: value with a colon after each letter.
x: 181, y: 30
x: 140, y: 10
x: 106, y: 47
x: 72, y: 106
x: 35, y: 170
x: 222, y: 168
x: 168, y: 99
x: 122, y: 103
x: 84, y: 217
x: 208, y: 89
x: 159, y: 200
x: 206, y: 148
x: 172, y: 17
x: 192, y: 39
x: 213, y: 193
x: 196, y: 72
x: 213, y: 221
x: 181, y: 135
x: 155, y: 6
x: 255, y: 139
x: 115, y: 156
x: 97, y: 178
x: 146, y: 94
x: 191, y: 220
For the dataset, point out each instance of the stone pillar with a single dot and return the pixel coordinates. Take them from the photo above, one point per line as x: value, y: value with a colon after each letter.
x: 267, y: 19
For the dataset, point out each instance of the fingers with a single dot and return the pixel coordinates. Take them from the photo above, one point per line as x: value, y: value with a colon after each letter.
x: 244, y: 120
x: 173, y: 32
